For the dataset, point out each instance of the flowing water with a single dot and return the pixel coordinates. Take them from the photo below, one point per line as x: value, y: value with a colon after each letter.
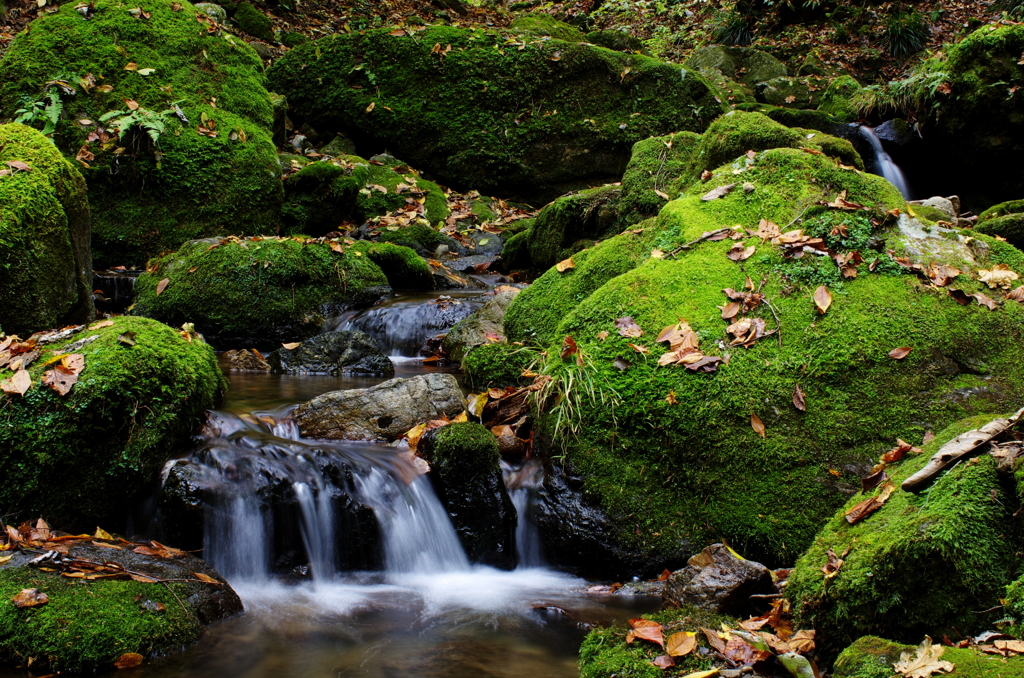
x: 383, y: 587
x: 884, y: 164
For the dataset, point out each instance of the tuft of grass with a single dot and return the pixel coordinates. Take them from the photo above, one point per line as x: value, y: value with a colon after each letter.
x: 906, y: 33
x: 734, y: 29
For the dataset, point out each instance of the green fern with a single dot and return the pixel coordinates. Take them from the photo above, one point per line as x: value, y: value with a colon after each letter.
x: 152, y: 123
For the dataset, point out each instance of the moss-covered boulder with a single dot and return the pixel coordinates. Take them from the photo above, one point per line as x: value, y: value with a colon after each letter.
x: 1002, y: 209
x: 837, y: 99
x: 541, y: 24
x: 459, y: 113
x: 403, y: 268
x: 951, y: 537
x: 572, y: 223
x: 139, y: 399
x: 483, y: 327
x: 672, y: 455
x: 654, y: 164
x: 873, y: 657
x: 746, y: 65
x: 498, y: 365
x: 791, y: 92
x: 45, y: 262
x: 188, y: 154
x: 258, y: 293
x: 323, y: 195
x: 87, y: 626
x: 254, y: 22
x: 1010, y: 227
x: 465, y: 472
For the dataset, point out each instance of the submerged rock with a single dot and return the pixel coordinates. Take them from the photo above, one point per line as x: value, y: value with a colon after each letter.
x: 88, y: 625
x: 140, y: 397
x: 382, y: 412
x: 203, y: 166
x: 46, y: 271
x: 447, y: 114
x: 343, y: 352
x: 483, y: 327
x: 465, y: 472
x: 715, y: 579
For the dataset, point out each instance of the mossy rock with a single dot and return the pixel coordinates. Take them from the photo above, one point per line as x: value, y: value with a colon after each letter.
x: 254, y: 22
x: 605, y: 651
x: 258, y: 293
x: 323, y: 195
x: 45, y: 261
x: 950, y: 536
x: 418, y: 237
x: 138, y: 400
x: 403, y: 268
x: 149, y: 197
x: 620, y: 41
x: 930, y: 213
x: 498, y: 365
x: 291, y: 38
x: 1010, y: 227
x: 743, y: 64
x: 538, y: 23
x: 1002, y: 209
x: 679, y: 475
x: 837, y: 99
x: 571, y: 223
x: 873, y: 657
x: 790, y: 92
x: 484, y: 326
x: 654, y: 163
x: 456, y: 115
x: 87, y: 625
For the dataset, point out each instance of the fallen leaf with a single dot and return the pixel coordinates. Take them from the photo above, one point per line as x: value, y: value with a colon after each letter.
x: 802, y: 641
x: 799, y: 402
x: 757, y: 425
x: 569, y: 347
x: 985, y: 301
x: 639, y: 349
x: 701, y: 674
x: 19, y: 383
x: 628, y: 327
x: 30, y: 598
x: 60, y: 379
x: 716, y: 193
x: 662, y: 194
x: 102, y: 534
x: 292, y: 346
x: 898, y: 452
x: 960, y: 297
x: 602, y: 335
x: 162, y: 285
x: 1016, y: 295
x: 740, y: 253
x: 565, y: 265
x: 101, y: 324
x: 1000, y: 276
x: 663, y: 662
x: 126, y: 338
x: 832, y: 565
x: 926, y: 663
x: 205, y: 578
x: 371, y: 106
x: 901, y: 352
x: 622, y: 364
x: 128, y: 660
x: 872, y: 481
x: 681, y: 644
x: 646, y: 629
x: 865, y: 508
x: 822, y: 298
x: 671, y: 398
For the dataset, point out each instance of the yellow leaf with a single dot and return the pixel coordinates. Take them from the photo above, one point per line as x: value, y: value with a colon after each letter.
x: 822, y: 298
x: 370, y: 107
x: 462, y: 418
x: 206, y: 578
x: 681, y: 644
x: 101, y: 534
x: 292, y: 346
x: 565, y: 265
x: 926, y: 662
x: 702, y: 674
x: 757, y: 425
x: 4, y: 559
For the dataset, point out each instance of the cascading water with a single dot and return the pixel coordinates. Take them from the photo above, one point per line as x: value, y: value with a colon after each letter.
x: 236, y: 538
x: 402, y: 325
x: 317, y: 527
x: 521, y: 484
x: 886, y: 167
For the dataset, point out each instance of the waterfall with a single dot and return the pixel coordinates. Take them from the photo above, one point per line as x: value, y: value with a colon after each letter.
x: 402, y: 326
x: 888, y: 169
x: 521, y: 484
x: 317, y: 527
x: 236, y: 539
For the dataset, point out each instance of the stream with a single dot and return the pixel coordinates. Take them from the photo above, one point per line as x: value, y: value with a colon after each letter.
x: 425, y: 610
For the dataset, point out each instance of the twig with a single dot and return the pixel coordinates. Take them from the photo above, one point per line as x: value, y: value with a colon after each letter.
x: 701, y: 239
x: 778, y: 322
x: 187, y: 611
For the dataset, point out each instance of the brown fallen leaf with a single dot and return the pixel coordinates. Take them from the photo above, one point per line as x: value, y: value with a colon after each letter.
x: 802, y: 641
x: 628, y: 327
x: 621, y: 364
x: 30, y: 598
x: 671, y: 398
x: 19, y: 383
x: 865, y: 508
x: 898, y: 452
x: 901, y: 352
x: 999, y: 275
x: 162, y: 285
x: 565, y: 265
x: 716, y: 193
x: 60, y: 379
x: 986, y: 301
x: 681, y: 644
x: 757, y: 425
x: 662, y: 194
x: 832, y: 565
x: 206, y: 578
x: 292, y: 346
x: 645, y: 629
x: 799, y: 402
x: 569, y: 347
x: 960, y: 297
x: 730, y: 310
x: 101, y: 324
x: 602, y: 335
x: 129, y: 660
x: 639, y: 349
x: 872, y: 481
x: 926, y: 663
x: 740, y: 253
x: 1016, y: 295
x: 822, y: 299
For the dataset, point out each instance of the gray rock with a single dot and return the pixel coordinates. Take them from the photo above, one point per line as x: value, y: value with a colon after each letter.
x: 339, y: 145
x: 343, y: 352
x: 486, y: 243
x: 944, y: 205
x: 468, y: 264
x: 382, y: 412
x: 441, y: 251
x: 896, y: 131
x: 471, y: 332
x: 786, y: 92
x: 717, y: 580
x: 214, y: 11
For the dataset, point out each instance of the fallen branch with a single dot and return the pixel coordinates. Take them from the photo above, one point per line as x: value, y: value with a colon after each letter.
x: 706, y: 236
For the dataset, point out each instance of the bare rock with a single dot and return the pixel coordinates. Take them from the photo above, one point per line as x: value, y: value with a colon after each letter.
x: 717, y: 580
x: 246, y: 359
x: 382, y: 412
x: 342, y: 352
x: 473, y: 331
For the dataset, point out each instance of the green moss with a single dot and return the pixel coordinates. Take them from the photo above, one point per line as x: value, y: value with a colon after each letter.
x: 199, y: 185
x: 837, y: 99
x: 951, y: 536
x: 416, y: 236
x: 696, y: 472
x: 605, y: 651
x: 1010, y: 227
x: 873, y: 657
x: 463, y: 452
x: 268, y: 290
x: 43, y: 212
x: 515, y: 253
x: 254, y: 22
x: 404, y: 269
x: 87, y: 625
x: 572, y: 223
x: 813, y: 120
x: 536, y: 313
x: 291, y: 38
x: 78, y: 456
x: 539, y: 23
x: 498, y: 365
x: 654, y: 163
x: 932, y: 214
x: 490, y: 115
x: 1002, y: 209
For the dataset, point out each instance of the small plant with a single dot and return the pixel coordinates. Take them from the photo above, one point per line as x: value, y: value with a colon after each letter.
x: 906, y: 33
x: 734, y: 29
x: 45, y: 112
x: 151, y: 123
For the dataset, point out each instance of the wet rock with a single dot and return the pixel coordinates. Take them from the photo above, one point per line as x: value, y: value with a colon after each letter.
x: 484, y: 326
x: 173, y: 616
x: 470, y: 263
x: 404, y: 327
x: 246, y: 359
x: 717, y: 580
x: 214, y: 11
x: 342, y: 352
x: 486, y: 243
x: 897, y: 131
x: 382, y: 412
x: 339, y: 146
x: 465, y: 472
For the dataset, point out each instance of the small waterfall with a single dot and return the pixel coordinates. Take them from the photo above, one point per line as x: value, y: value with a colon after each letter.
x: 521, y: 484
x: 886, y: 167
x: 402, y: 326
x: 317, y: 528
x: 116, y: 288
x: 236, y: 539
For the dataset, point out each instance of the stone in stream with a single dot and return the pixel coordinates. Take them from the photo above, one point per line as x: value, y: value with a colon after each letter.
x: 246, y: 359
x: 86, y: 626
x: 382, y: 412
x: 46, y: 276
x: 717, y: 580
x: 341, y: 352
x: 483, y: 327
x: 465, y: 472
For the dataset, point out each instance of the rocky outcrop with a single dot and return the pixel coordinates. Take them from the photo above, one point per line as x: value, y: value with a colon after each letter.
x: 715, y: 579
x: 45, y: 261
x: 465, y: 473
x: 382, y: 412
x: 344, y: 352
x: 483, y: 327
